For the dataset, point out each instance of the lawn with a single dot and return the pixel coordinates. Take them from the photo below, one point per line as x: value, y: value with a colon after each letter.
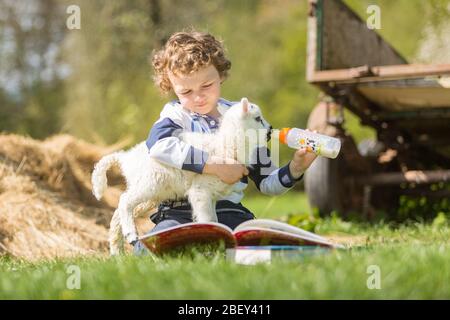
x: 412, y: 260
x: 276, y: 207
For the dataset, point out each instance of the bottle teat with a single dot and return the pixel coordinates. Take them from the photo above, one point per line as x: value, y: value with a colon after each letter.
x: 281, y: 134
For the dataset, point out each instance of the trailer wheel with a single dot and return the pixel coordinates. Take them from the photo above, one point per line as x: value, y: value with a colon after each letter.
x: 328, y: 182
x: 322, y: 181
x: 322, y: 185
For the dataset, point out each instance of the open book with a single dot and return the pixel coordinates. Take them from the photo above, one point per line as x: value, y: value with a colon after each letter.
x: 258, y: 232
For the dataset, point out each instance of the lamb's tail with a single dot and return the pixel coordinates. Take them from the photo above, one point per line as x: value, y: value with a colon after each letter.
x: 99, y: 180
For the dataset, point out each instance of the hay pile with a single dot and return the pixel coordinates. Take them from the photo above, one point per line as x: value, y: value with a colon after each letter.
x: 46, y: 206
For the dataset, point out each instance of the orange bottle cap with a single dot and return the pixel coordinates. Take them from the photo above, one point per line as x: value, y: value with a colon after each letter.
x: 283, y: 134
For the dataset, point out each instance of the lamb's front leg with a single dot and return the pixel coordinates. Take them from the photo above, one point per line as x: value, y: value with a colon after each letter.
x: 203, y: 204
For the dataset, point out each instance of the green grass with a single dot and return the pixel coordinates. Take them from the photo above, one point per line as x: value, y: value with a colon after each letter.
x: 412, y: 259
x: 413, y: 264
x: 276, y: 207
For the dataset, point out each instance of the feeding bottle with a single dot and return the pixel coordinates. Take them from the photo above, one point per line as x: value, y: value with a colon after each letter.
x: 319, y: 144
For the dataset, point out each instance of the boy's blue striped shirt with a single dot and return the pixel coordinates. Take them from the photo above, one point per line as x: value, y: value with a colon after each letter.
x: 165, y: 146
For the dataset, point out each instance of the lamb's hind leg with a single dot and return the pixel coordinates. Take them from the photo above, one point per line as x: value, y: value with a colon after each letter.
x: 116, y: 240
x: 203, y: 204
x: 115, y: 235
x: 127, y: 203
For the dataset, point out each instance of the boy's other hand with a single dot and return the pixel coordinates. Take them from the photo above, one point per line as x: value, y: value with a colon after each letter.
x: 301, y: 161
x: 228, y: 170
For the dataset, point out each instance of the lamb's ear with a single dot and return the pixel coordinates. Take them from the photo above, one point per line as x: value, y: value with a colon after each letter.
x: 244, y: 102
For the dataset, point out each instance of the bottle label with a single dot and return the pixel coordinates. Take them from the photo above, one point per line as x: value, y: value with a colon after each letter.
x: 310, y: 145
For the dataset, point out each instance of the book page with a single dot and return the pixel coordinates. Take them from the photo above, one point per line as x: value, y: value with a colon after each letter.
x: 253, y: 236
x: 280, y: 226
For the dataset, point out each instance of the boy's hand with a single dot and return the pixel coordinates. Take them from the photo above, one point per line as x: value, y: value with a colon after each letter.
x: 301, y: 161
x: 228, y: 170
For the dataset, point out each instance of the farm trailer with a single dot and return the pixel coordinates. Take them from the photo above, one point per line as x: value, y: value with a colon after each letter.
x: 408, y: 105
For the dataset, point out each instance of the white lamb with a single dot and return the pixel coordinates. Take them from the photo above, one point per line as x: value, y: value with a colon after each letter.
x: 149, y: 181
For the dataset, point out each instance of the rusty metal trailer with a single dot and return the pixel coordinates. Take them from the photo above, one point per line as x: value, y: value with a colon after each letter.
x: 408, y: 105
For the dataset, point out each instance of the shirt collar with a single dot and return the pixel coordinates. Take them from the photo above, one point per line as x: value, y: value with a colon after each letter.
x: 220, y: 108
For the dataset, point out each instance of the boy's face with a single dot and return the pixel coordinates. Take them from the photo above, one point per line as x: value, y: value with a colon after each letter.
x: 199, y: 91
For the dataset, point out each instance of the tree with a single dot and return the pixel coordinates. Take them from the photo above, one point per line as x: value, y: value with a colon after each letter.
x: 30, y: 66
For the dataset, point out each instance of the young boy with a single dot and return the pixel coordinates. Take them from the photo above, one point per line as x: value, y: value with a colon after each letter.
x: 194, y: 66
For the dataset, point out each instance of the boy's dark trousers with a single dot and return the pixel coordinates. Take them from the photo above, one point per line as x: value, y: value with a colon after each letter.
x: 229, y: 213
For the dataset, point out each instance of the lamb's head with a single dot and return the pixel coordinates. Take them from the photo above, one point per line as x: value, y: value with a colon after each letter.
x: 243, y: 126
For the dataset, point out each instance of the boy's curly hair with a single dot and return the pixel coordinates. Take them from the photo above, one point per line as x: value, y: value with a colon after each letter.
x: 187, y: 52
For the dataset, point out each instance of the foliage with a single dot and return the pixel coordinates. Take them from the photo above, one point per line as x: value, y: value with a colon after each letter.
x: 425, y: 208
x: 31, y: 67
x: 100, y: 87
x: 294, y: 208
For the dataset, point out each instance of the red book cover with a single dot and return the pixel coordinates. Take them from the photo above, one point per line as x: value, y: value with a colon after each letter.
x: 189, y: 234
